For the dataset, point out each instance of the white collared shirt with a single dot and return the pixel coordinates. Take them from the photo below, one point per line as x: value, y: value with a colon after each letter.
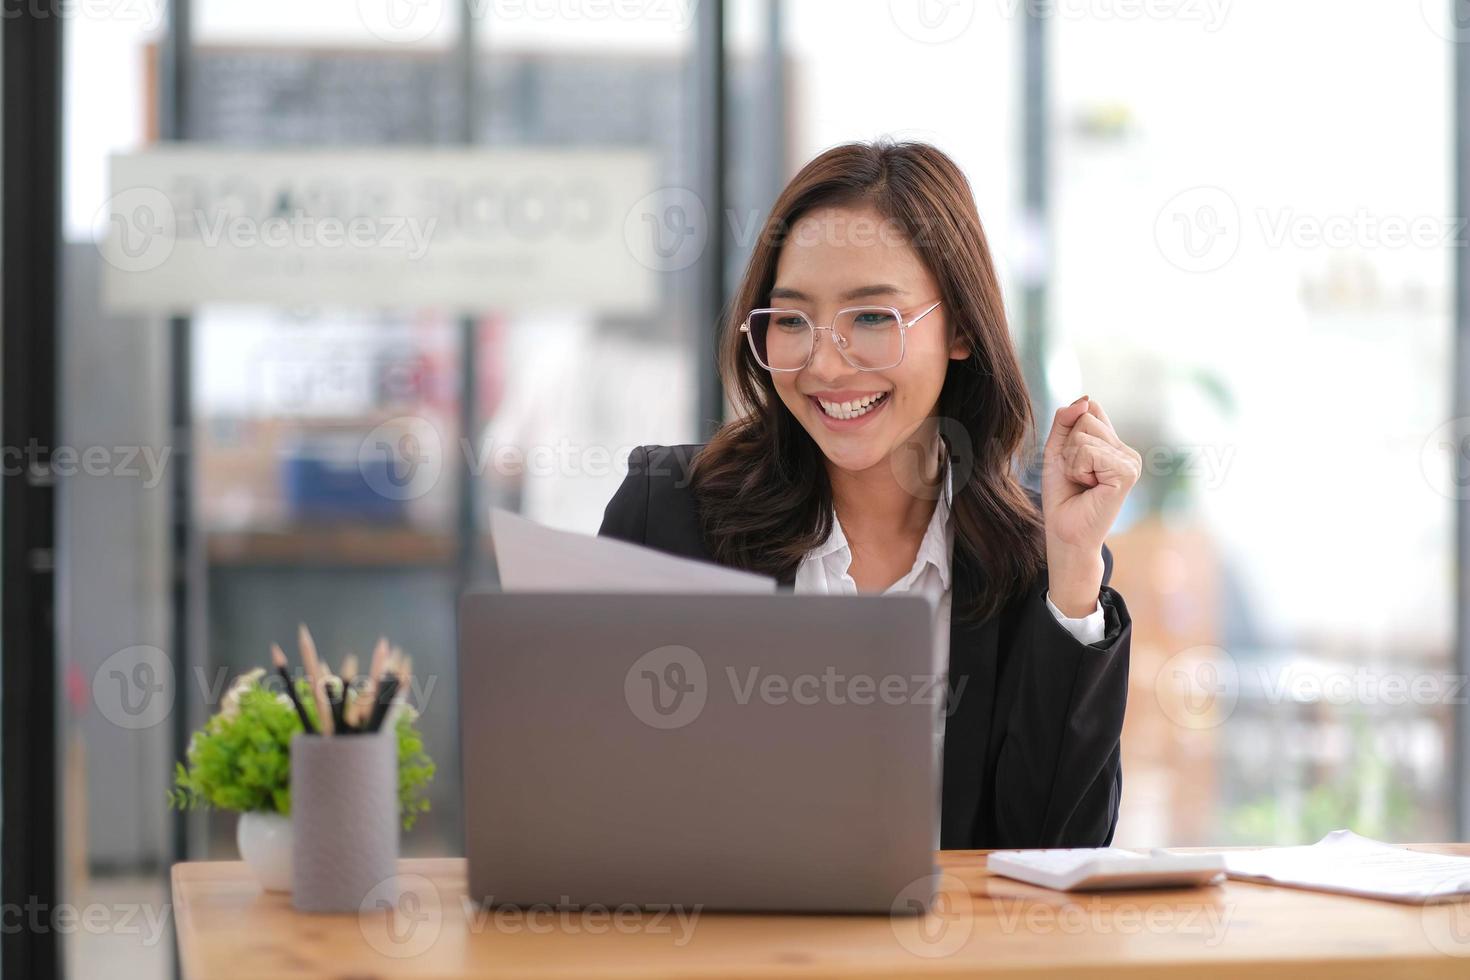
x: 824, y: 571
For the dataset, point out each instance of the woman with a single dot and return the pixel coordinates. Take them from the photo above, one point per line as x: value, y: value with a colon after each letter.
x: 880, y: 411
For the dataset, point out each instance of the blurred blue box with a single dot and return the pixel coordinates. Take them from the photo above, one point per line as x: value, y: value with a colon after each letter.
x: 323, y: 478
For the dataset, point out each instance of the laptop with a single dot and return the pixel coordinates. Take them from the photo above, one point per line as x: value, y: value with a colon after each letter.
x: 763, y: 753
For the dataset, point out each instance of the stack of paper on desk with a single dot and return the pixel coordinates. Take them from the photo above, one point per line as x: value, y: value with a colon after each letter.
x: 1344, y: 862
x: 534, y: 558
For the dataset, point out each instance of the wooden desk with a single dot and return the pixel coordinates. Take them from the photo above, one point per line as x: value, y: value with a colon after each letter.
x: 989, y: 926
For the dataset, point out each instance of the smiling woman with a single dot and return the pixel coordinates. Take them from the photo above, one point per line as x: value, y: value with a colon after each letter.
x: 881, y: 410
x: 858, y: 225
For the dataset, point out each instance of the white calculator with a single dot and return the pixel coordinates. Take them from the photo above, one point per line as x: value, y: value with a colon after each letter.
x: 1106, y: 868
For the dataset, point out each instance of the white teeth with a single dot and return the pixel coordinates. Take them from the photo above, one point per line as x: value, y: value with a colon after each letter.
x: 852, y: 409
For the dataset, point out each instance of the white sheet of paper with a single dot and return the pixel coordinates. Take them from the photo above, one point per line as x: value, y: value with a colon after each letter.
x: 1353, y: 865
x: 534, y: 558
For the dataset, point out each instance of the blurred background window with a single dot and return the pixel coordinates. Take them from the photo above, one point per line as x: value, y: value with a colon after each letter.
x: 1254, y: 278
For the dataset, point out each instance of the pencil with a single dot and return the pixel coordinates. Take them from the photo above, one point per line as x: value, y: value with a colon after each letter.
x: 337, y: 697
x: 314, y: 675
x: 387, y: 690
x: 370, y: 689
x: 278, y: 657
x: 349, y: 676
x: 405, y: 686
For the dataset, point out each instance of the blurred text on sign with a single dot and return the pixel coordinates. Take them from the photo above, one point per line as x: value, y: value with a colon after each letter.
x: 466, y: 229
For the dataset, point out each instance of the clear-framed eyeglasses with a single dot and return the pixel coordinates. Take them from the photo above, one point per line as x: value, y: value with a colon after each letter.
x: 870, y: 338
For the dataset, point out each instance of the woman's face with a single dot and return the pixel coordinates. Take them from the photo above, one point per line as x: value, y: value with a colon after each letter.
x: 836, y: 258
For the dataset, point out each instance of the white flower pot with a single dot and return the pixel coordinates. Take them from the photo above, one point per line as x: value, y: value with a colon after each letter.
x: 264, y: 840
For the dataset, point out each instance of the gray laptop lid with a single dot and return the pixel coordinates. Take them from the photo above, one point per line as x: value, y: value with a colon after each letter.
x: 765, y: 752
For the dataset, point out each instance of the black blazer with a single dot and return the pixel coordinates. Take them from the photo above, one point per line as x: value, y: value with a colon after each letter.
x: 1031, y: 742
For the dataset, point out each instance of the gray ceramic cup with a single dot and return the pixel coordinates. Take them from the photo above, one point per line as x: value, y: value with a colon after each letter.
x: 344, y: 818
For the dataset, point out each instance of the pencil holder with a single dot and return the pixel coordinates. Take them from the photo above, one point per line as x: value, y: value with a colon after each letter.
x: 344, y: 818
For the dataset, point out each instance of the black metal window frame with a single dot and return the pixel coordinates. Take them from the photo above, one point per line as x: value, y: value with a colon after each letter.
x: 29, y: 276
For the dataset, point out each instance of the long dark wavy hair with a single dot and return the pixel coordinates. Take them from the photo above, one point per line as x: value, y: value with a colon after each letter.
x: 763, y: 491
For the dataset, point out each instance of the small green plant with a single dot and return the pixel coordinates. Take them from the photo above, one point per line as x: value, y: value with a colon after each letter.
x: 241, y: 759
